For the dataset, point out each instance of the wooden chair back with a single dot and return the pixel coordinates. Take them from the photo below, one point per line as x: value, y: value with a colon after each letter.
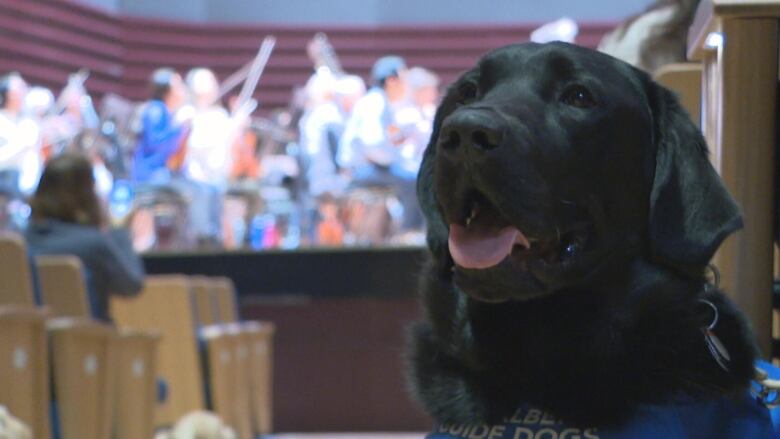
x: 24, y: 367
x: 228, y: 379
x: 256, y: 350
x: 258, y: 337
x: 62, y: 285
x: 136, y: 385
x: 17, y: 285
x: 165, y: 306
x: 84, y: 365
x: 685, y: 80
x: 227, y: 304
x: 205, y: 300
x: 737, y: 44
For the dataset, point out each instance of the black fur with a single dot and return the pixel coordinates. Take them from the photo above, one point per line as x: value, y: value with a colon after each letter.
x: 619, y: 323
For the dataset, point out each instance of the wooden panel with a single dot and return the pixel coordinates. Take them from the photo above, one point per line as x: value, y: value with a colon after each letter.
x: 84, y: 364
x: 258, y: 338
x: 24, y: 367
x: 242, y: 398
x: 685, y: 80
x: 740, y: 127
x: 225, y: 294
x: 205, y: 300
x: 316, y: 340
x: 46, y: 40
x: 254, y: 355
x: 165, y: 306
x: 16, y: 287
x: 62, y: 285
x: 227, y: 378
x: 136, y: 385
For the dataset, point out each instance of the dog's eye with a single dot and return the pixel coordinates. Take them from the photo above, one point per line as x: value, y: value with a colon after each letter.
x: 468, y: 93
x: 578, y: 96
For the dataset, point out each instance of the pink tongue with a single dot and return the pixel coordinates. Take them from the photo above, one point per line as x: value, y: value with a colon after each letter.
x: 471, y: 249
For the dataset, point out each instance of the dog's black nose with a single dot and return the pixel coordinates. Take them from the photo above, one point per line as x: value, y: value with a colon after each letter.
x: 472, y: 128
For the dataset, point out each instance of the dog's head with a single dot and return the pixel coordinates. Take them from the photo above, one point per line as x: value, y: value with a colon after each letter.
x: 549, y: 164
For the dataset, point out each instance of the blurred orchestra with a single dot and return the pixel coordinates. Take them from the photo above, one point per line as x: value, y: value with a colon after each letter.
x: 197, y: 167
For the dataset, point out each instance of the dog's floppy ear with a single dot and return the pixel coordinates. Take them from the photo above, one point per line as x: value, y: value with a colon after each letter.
x: 691, y: 212
x: 426, y: 194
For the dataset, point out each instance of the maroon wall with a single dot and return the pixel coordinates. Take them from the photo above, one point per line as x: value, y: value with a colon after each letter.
x: 339, y: 364
x: 46, y: 40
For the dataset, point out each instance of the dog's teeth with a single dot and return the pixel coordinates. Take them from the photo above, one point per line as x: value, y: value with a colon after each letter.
x: 471, y: 216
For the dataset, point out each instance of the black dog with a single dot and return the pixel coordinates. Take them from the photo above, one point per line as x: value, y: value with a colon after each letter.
x: 572, y: 212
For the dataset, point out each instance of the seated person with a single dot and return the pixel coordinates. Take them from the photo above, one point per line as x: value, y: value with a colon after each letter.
x: 370, y: 147
x: 67, y: 219
x: 20, y: 139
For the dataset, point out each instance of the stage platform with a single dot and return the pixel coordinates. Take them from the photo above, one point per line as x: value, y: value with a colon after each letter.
x: 341, y: 318
x: 313, y: 273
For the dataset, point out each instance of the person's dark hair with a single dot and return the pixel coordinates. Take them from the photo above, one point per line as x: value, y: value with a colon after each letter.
x: 5, y: 86
x: 160, y: 82
x: 381, y: 82
x: 386, y: 67
x: 66, y: 192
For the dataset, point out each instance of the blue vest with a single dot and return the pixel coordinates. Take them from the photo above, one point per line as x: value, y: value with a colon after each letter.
x: 725, y: 418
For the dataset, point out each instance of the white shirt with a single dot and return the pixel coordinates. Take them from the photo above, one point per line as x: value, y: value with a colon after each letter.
x: 365, y: 139
x: 416, y: 125
x: 20, y: 145
x: 209, y: 147
x: 315, y: 126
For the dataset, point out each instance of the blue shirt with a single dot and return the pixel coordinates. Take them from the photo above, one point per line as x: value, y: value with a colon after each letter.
x: 159, y: 140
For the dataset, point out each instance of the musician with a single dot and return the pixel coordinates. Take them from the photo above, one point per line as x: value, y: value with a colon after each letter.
x: 349, y: 90
x: 210, y: 149
x: 38, y: 105
x: 214, y: 130
x: 368, y: 143
x: 65, y: 121
x: 370, y: 146
x: 161, y: 134
x: 415, y: 118
x: 329, y: 102
x: 20, y: 139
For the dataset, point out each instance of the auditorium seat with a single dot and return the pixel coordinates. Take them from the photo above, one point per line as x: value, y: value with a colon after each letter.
x: 63, y: 289
x: 685, y: 80
x: 17, y: 285
x: 24, y: 367
x: 84, y: 367
x: 165, y: 306
x: 226, y: 359
x: 205, y: 300
x: 227, y: 378
x: 136, y: 384
x: 227, y: 304
x: 258, y: 339
x: 737, y: 44
x: 80, y: 354
x: 62, y: 285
